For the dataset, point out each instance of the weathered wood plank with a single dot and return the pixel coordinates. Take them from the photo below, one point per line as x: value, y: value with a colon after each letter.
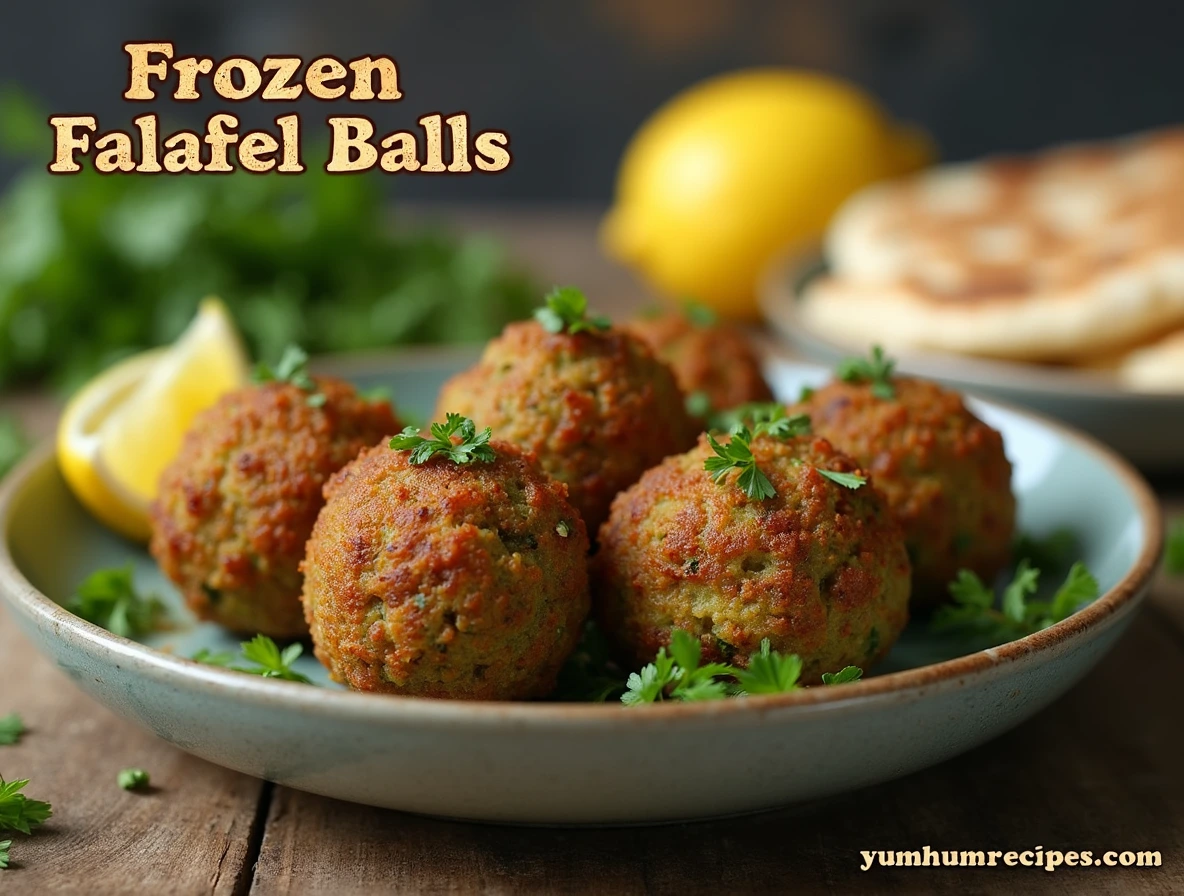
x: 1099, y: 770
x: 191, y: 834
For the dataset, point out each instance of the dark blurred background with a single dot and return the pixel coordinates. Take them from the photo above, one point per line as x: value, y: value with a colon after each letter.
x: 570, y: 81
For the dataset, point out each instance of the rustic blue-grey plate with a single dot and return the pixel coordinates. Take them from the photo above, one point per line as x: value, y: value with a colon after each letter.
x: 557, y: 763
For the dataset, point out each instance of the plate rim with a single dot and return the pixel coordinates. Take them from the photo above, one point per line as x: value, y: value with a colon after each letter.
x: 778, y: 297
x: 25, y: 599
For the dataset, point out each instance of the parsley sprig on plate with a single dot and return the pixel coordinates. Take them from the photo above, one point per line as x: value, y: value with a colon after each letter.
x: 18, y: 813
x: 1174, y: 549
x: 263, y: 654
x: 678, y: 673
x: 292, y: 368
x: 975, y: 613
x: 876, y: 369
x: 756, y: 420
x: 109, y: 599
x: 456, y: 439
x: 566, y: 311
x: 12, y: 726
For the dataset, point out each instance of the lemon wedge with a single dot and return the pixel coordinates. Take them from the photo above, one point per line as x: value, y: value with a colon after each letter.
x: 120, y: 430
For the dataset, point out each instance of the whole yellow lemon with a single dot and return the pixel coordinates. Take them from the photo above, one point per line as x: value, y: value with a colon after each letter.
x: 732, y: 171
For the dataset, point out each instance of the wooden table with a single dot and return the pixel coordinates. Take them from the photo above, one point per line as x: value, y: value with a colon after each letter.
x: 1101, y: 769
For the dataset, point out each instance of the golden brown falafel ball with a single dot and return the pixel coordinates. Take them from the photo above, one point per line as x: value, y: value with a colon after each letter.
x: 820, y: 570
x: 442, y: 580
x: 598, y: 409
x: 236, y: 506
x: 714, y: 359
x: 942, y: 469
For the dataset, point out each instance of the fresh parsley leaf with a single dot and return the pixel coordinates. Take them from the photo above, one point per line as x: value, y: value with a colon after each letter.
x: 766, y: 419
x: 844, y: 675
x: 806, y: 393
x: 696, y: 682
x: 108, y: 598
x: 566, y: 310
x: 699, y: 314
x: 1174, y: 549
x: 272, y: 662
x: 1017, y: 592
x: 769, y: 672
x: 133, y: 779
x: 456, y: 439
x: 649, y: 685
x: 973, y: 614
x: 1080, y: 588
x: 737, y: 455
x: 13, y: 442
x: 292, y: 368
x: 11, y: 729
x: 267, y: 658
x: 4, y: 847
x: 223, y: 658
x: 846, y: 480
x: 876, y: 369
x: 698, y: 404
x: 17, y: 811
x: 678, y: 673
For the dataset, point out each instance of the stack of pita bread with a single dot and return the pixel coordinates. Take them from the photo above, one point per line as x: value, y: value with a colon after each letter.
x: 1073, y: 256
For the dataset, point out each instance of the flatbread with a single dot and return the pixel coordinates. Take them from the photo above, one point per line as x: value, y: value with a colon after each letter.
x: 1158, y: 367
x: 1052, y: 257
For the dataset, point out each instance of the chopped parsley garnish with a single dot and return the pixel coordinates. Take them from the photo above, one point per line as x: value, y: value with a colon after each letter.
x: 974, y: 614
x: 292, y: 368
x: 843, y: 676
x: 876, y: 369
x: 699, y: 314
x: 677, y: 673
x: 563, y: 528
x: 266, y: 658
x: 1174, y: 549
x: 566, y: 311
x: 769, y: 672
x: 11, y: 729
x: 17, y: 811
x: 698, y: 404
x: 133, y: 779
x: 846, y: 480
x: 109, y: 599
x: 762, y: 419
x: 456, y: 439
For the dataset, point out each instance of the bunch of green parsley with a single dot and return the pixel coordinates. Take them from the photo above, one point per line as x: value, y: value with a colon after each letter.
x: 94, y: 267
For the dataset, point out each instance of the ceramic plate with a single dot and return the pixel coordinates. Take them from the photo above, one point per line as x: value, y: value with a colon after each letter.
x: 559, y: 763
x: 1146, y: 427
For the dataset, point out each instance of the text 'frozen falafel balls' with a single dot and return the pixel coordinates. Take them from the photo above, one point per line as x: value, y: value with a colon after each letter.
x: 591, y: 401
x: 436, y: 573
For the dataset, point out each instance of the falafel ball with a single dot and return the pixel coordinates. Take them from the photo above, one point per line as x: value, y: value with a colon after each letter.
x: 943, y: 470
x: 819, y: 569
x: 236, y: 506
x: 716, y: 360
x: 442, y: 580
x: 597, y: 408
